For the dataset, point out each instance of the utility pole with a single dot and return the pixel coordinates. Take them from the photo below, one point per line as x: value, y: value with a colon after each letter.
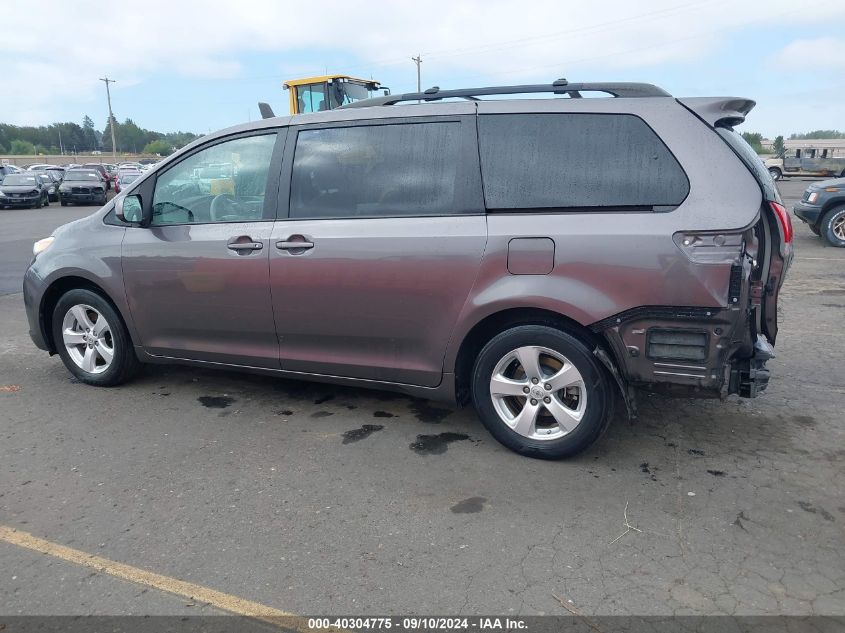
x: 111, y: 118
x: 61, y: 147
x: 418, y: 60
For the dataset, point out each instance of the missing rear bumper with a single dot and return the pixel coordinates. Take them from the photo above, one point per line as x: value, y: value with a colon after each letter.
x: 750, y: 377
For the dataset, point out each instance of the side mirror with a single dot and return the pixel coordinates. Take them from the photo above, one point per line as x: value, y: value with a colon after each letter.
x: 129, y: 209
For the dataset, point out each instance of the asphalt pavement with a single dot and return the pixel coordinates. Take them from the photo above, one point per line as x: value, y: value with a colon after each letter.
x: 315, y: 499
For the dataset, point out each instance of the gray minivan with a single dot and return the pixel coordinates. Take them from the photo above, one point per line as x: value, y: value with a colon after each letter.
x: 541, y: 258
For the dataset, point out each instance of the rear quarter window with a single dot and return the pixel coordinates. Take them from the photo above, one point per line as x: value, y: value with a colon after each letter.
x: 579, y: 161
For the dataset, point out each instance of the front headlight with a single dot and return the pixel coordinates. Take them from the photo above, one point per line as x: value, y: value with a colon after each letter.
x: 2, y: 195
x: 813, y: 197
x: 42, y: 245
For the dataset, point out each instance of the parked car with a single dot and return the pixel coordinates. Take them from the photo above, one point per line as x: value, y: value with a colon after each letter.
x: 822, y: 208
x: 7, y: 169
x: 103, y: 172
x: 128, y: 177
x: 808, y: 161
x: 51, y: 182
x: 537, y: 257
x: 42, y: 167
x: 83, y: 185
x: 24, y: 189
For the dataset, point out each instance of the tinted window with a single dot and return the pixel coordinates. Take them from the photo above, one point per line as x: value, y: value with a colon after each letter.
x: 378, y: 170
x: 534, y: 161
x: 223, y: 183
x: 751, y: 160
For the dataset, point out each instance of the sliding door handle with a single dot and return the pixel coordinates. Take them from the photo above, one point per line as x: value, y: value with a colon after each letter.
x: 294, y: 244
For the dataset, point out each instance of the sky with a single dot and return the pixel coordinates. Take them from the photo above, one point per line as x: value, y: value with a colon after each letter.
x: 202, y: 65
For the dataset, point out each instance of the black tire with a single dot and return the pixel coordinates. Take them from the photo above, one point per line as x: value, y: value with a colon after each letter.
x: 599, y: 396
x: 776, y: 173
x: 124, y: 364
x: 47, y: 200
x: 832, y: 227
x: 103, y: 200
x: 38, y: 204
x: 63, y: 202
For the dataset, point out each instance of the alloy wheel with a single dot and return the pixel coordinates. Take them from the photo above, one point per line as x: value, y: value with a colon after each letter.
x: 538, y: 393
x: 88, y: 339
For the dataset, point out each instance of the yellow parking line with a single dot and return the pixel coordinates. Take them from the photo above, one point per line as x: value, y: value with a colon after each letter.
x: 224, y: 601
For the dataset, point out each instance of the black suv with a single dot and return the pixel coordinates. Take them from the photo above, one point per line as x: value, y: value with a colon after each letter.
x: 823, y: 209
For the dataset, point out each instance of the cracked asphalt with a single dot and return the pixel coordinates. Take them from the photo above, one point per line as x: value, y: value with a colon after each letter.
x: 319, y: 500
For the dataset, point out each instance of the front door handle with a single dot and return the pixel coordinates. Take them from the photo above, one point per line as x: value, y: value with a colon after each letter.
x: 243, y: 244
x: 294, y: 243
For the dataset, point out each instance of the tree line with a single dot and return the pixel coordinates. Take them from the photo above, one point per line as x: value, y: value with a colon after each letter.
x: 755, y: 139
x: 72, y: 138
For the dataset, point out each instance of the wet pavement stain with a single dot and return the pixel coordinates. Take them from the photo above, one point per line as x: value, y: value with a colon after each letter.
x: 425, y: 412
x: 216, y: 402
x: 717, y: 473
x: 323, y: 399
x: 644, y: 467
x: 435, y: 444
x: 284, y: 412
x: 321, y: 414
x: 383, y: 414
x: 809, y: 507
x: 739, y: 519
x: 469, y: 506
x: 804, y: 420
x: 356, y: 435
x: 695, y: 451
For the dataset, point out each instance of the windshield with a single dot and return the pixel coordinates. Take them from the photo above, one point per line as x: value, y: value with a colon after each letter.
x: 354, y: 92
x: 81, y: 175
x: 19, y: 179
x: 125, y: 179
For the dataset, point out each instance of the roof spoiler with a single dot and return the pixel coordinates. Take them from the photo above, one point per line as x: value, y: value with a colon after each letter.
x: 719, y: 111
x: 266, y: 110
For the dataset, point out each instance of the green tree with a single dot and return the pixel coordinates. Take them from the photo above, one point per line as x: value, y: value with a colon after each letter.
x: 22, y: 148
x: 160, y: 147
x: 89, y: 134
x: 818, y: 134
x: 755, y: 140
x: 2, y: 149
x: 779, y: 147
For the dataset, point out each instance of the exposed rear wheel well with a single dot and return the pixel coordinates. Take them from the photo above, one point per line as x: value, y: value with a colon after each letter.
x: 52, y: 296
x: 496, y: 323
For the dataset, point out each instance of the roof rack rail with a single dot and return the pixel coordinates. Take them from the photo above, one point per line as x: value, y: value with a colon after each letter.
x: 559, y: 87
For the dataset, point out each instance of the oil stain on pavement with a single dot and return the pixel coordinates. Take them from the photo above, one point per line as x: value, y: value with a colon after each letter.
x: 356, y: 435
x: 216, y: 402
x: 469, y: 506
x: 435, y: 444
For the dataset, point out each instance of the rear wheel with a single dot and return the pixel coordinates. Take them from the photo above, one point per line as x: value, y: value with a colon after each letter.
x: 540, y: 392
x: 833, y: 227
x: 63, y: 203
x: 38, y: 204
x: 776, y: 173
x: 92, y: 340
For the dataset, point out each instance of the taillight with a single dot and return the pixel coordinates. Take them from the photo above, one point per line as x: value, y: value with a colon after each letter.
x: 784, y: 220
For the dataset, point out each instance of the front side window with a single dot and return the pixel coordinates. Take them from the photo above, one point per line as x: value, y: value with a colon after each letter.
x: 376, y: 171
x: 576, y: 161
x: 222, y: 183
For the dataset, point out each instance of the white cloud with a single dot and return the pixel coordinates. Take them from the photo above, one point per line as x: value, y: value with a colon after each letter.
x: 819, y: 53
x: 498, y: 40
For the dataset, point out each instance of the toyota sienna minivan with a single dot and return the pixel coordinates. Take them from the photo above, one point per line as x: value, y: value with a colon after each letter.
x: 540, y: 258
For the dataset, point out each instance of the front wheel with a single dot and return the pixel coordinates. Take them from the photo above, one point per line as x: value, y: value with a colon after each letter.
x: 47, y: 200
x: 776, y: 173
x: 833, y: 227
x: 92, y: 339
x: 540, y: 392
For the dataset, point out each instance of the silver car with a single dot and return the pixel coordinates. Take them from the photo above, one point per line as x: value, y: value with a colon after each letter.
x: 543, y: 259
